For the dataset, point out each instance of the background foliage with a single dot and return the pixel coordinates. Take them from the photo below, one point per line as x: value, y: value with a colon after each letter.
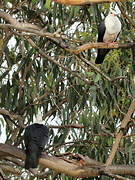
x: 30, y: 84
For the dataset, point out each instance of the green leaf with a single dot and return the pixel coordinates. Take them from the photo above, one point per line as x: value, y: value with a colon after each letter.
x: 97, y: 78
x: 34, y: 1
x: 47, y: 4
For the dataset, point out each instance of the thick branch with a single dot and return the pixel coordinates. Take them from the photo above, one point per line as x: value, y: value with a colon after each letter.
x: 120, y: 134
x: 15, y: 23
x: 84, y: 167
x: 7, y: 113
x: 54, y: 163
x: 10, y: 169
x: 82, y: 2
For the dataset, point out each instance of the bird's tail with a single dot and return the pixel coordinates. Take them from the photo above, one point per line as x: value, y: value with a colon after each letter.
x: 99, y: 59
x: 32, y: 158
x: 101, y: 55
x: 31, y: 161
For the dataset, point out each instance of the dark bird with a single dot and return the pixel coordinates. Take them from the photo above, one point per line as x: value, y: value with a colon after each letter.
x: 35, y: 139
x: 108, y: 32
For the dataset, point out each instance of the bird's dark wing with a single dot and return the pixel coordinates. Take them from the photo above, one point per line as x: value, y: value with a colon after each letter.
x: 43, y: 136
x: 101, y: 52
x: 101, y: 31
x: 38, y: 134
x: 26, y: 136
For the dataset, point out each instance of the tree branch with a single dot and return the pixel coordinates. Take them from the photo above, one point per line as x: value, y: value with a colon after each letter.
x: 49, y: 113
x: 26, y: 70
x: 57, y: 38
x: 8, y: 18
x: 78, y: 126
x: 120, y: 134
x: 96, y: 69
x: 82, y: 2
x: 78, y: 167
x: 12, y: 117
x: 124, y: 14
x: 10, y: 169
x: 100, y: 46
x: 7, y: 113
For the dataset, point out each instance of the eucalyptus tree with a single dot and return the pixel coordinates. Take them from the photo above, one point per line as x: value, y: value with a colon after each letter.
x: 45, y: 70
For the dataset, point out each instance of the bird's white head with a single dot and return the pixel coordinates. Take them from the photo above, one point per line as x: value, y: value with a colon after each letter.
x: 113, y: 13
x: 39, y: 119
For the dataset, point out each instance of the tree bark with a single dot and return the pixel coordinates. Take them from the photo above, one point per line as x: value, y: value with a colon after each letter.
x: 82, y: 2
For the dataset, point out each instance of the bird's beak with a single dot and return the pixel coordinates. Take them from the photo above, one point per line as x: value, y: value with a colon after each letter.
x: 115, y: 14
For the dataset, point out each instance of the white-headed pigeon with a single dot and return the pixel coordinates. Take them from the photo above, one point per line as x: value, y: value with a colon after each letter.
x: 35, y: 139
x: 108, y: 32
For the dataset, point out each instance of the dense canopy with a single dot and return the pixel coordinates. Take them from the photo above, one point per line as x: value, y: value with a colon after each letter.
x: 47, y: 67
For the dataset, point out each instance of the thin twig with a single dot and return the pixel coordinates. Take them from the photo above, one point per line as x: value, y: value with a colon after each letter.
x: 94, y: 68
x: 124, y: 14
x: 67, y: 126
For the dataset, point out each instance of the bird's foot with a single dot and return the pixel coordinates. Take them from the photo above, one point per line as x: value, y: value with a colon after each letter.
x: 107, y: 44
x: 111, y: 44
x: 115, y: 43
x: 44, y: 153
